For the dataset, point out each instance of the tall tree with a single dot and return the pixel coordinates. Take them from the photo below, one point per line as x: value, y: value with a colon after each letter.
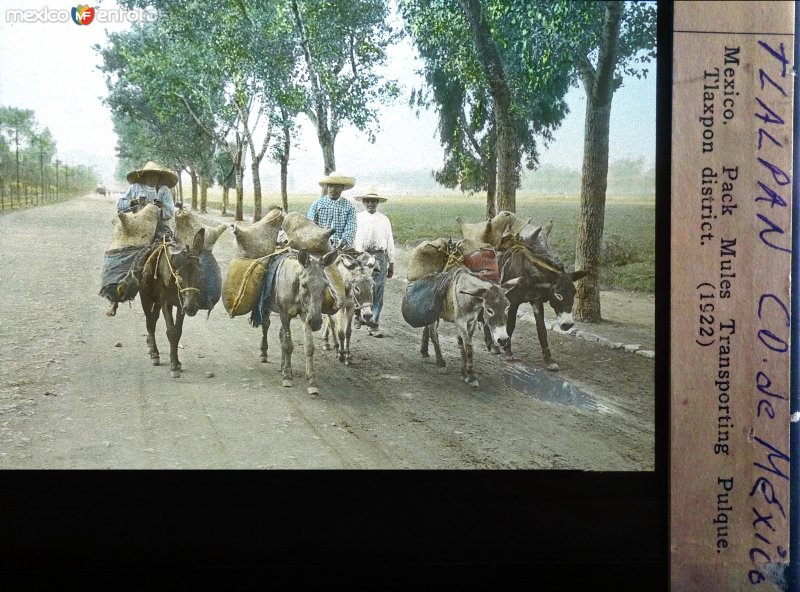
x: 505, y: 127
x: 17, y: 126
x: 603, y: 42
x: 343, y: 45
x: 627, y: 37
x: 486, y: 71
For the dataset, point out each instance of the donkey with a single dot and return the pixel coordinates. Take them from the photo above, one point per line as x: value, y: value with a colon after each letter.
x: 543, y: 279
x: 171, y: 279
x: 468, y: 299
x: 350, y: 298
x: 298, y: 291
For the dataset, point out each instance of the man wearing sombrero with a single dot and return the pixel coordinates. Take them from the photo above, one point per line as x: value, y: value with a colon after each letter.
x: 374, y: 236
x: 329, y: 211
x: 150, y: 185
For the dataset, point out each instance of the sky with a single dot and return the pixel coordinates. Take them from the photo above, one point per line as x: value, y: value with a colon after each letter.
x: 51, y: 68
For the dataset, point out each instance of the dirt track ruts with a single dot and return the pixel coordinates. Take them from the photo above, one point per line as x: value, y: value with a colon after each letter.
x: 71, y: 398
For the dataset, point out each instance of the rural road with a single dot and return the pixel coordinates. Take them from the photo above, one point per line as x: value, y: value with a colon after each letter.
x: 77, y: 389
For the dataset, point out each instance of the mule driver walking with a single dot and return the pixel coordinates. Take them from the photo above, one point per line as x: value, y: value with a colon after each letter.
x: 374, y: 236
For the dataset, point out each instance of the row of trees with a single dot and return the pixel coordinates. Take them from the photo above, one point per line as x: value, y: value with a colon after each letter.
x: 196, y: 87
x: 30, y: 171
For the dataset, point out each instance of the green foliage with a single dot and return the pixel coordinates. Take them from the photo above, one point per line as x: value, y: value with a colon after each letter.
x: 457, y: 85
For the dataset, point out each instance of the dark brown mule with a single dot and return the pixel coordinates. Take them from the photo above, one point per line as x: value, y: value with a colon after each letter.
x: 171, y: 279
x: 543, y: 280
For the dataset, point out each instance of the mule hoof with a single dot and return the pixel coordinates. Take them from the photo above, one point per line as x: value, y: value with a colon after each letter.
x: 442, y: 369
x: 348, y: 362
x: 175, y: 373
x: 474, y: 383
x: 326, y: 347
x: 553, y: 367
x: 156, y: 361
x: 313, y: 390
x: 264, y: 360
x: 424, y: 354
x: 287, y: 382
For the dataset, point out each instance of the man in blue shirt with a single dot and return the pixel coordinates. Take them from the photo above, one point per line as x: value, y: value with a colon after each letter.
x: 330, y: 211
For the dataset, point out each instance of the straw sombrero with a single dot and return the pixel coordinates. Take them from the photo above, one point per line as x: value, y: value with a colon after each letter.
x: 372, y: 193
x: 166, y: 176
x: 335, y: 178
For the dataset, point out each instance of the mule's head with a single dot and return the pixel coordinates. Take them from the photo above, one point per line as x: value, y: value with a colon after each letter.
x: 494, y: 304
x: 357, y: 272
x: 185, y: 262
x: 562, y: 296
x: 312, y: 285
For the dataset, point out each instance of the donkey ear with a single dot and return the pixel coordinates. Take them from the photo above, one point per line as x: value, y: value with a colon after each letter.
x: 302, y: 257
x: 478, y: 293
x: 328, y: 259
x: 535, y: 234
x: 197, y: 243
x: 507, y: 286
x: 576, y: 275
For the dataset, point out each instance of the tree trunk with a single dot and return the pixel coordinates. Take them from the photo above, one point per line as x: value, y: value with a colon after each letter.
x: 180, y: 188
x: 239, y: 194
x: 284, y: 180
x: 599, y: 85
x: 286, y: 148
x: 203, y: 194
x: 193, y: 176
x: 256, y: 189
x: 224, y: 209
x: 326, y: 141
x: 491, y: 186
x: 507, y: 145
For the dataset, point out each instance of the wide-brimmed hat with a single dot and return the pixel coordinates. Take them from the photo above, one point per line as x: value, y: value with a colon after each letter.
x: 335, y: 178
x: 167, y: 176
x: 372, y: 193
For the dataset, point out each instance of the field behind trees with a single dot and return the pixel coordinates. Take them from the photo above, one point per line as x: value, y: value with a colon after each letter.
x: 629, y: 237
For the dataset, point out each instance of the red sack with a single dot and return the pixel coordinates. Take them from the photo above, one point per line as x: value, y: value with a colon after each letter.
x: 483, y: 263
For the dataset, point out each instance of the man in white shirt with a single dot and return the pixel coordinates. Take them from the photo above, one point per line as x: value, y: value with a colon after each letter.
x: 374, y: 236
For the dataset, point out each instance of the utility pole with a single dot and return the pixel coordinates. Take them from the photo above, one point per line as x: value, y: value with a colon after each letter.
x: 16, y: 139
x: 41, y: 172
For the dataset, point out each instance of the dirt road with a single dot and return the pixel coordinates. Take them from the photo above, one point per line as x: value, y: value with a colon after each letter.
x: 77, y: 389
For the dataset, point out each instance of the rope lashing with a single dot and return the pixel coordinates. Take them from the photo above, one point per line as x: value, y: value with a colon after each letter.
x: 249, y: 271
x: 512, y: 244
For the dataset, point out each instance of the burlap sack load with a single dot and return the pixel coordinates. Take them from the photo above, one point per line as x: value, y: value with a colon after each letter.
x: 187, y: 225
x: 304, y: 234
x: 426, y: 258
x: 492, y: 231
x: 135, y: 229
x: 132, y: 235
x: 258, y: 239
x: 243, y: 284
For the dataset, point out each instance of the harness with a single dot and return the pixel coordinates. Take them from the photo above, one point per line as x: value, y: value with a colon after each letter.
x: 512, y: 244
x: 162, y: 248
x: 351, y: 283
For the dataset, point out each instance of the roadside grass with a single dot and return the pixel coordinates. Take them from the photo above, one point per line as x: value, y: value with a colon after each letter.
x: 628, y: 258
